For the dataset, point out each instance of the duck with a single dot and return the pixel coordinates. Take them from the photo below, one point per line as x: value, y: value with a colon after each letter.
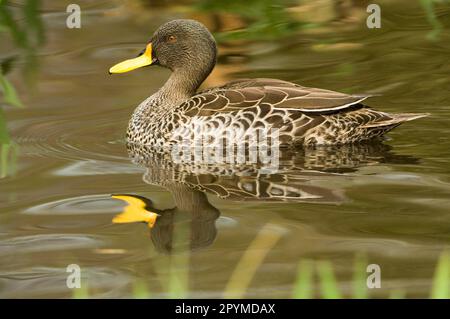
x: 301, y: 116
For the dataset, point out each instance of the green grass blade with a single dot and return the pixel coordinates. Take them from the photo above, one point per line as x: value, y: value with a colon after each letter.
x: 179, y: 276
x: 4, y: 136
x: 140, y: 290
x: 9, y: 92
x: 303, y: 287
x: 33, y: 19
x: 82, y: 292
x: 4, y: 156
x: 250, y: 261
x: 441, y: 279
x: 360, y: 290
x: 327, y: 281
x: 180, y: 259
x: 428, y: 6
x: 8, y: 22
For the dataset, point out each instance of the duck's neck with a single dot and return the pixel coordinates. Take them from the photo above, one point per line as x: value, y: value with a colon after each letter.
x: 180, y: 86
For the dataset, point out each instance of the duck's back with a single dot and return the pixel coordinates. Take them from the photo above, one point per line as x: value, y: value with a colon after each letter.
x: 298, y: 115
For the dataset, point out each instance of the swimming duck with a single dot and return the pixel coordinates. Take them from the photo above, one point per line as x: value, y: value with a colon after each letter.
x: 302, y: 116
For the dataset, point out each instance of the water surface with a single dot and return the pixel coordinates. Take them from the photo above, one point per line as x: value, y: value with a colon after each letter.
x: 390, y: 202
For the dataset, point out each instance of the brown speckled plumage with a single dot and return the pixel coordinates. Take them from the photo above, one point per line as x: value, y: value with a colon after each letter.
x: 303, y: 116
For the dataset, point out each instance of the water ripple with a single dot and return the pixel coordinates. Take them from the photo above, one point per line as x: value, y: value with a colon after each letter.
x: 47, y: 242
x: 88, y: 204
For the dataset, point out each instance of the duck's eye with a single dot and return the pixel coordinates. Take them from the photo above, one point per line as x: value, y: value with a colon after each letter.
x: 172, y: 39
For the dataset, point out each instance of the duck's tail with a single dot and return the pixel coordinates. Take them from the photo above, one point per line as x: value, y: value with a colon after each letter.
x: 395, y: 120
x: 372, y: 124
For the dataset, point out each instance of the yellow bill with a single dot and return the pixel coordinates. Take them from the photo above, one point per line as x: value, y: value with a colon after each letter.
x: 144, y: 59
x: 134, y: 212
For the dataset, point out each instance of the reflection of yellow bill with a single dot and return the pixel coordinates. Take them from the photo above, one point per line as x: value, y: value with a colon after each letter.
x: 134, y: 212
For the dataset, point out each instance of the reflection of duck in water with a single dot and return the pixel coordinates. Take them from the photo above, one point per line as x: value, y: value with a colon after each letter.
x: 191, y: 207
x: 301, y: 115
x: 309, y: 176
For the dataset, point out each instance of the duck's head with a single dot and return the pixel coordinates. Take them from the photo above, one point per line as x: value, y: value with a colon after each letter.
x: 183, y: 46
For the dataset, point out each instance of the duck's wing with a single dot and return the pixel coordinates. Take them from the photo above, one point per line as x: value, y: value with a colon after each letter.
x: 240, y: 94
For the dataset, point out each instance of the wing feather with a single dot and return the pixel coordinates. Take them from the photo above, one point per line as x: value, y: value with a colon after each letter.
x: 242, y: 94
